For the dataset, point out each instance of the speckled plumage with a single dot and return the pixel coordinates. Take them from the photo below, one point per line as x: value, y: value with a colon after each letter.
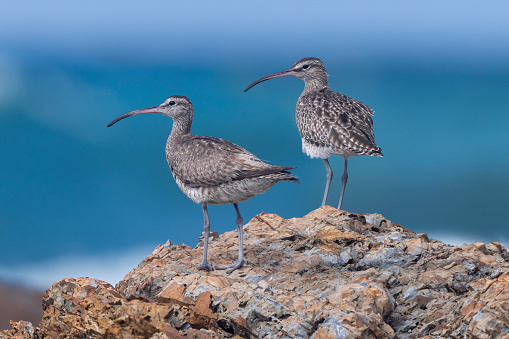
x: 329, y: 122
x: 211, y: 170
x: 335, y: 123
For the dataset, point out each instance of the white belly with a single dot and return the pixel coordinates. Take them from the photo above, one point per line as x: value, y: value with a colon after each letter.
x: 323, y: 152
x: 227, y: 193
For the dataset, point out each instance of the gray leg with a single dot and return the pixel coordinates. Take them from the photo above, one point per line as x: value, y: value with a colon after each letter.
x: 205, y: 265
x: 241, y: 260
x: 344, y: 179
x: 329, y: 180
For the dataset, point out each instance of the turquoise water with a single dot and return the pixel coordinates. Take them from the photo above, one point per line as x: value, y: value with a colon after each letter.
x: 71, y: 186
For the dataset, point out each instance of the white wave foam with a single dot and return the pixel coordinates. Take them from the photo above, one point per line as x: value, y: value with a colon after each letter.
x: 110, y: 267
x: 459, y: 240
x: 454, y: 240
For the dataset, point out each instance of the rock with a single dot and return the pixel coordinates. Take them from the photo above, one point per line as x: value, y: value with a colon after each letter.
x: 415, y: 247
x: 383, y: 258
x: 20, y: 329
x: 330, y: 274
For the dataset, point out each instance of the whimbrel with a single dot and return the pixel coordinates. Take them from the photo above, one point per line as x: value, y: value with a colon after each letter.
x: 329, y: 122
x: 211, y: 170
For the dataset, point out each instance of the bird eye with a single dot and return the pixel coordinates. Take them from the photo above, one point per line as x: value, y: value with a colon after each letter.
x: 305, y: 67
x: 171, y: 103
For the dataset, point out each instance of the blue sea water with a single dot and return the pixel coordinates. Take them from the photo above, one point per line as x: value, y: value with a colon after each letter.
x: 71, y: 186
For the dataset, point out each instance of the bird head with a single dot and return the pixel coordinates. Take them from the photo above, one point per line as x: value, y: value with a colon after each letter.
x: 175, y: 107
x: 307, y: 69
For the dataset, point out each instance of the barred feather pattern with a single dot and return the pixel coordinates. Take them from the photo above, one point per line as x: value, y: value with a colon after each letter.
x: 333, y: 123
x: 215, y: 171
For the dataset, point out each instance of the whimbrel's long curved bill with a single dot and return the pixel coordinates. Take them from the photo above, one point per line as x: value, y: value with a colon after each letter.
x: 153, y: 109
x: 285, y: 73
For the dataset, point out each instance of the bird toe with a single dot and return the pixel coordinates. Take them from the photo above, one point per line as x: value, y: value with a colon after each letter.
x: 206, y: 267
x: 233, y: 267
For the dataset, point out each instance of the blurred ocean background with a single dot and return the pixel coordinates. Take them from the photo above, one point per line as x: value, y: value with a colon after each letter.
x: 80, y: 199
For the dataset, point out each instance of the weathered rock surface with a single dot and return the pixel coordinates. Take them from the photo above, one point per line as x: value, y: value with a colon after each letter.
x: 330, y: 274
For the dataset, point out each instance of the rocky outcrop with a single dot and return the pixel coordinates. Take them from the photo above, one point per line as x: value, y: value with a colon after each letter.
x: 330, y: 274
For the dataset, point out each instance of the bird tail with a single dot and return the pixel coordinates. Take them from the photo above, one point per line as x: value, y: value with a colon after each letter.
x: 287, y: 175
x: 375, y: 152
x: 290, y: 177
x: 275, y: 172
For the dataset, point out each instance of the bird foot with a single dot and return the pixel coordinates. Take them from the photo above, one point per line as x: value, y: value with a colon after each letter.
x: 238, y: 264
x: 206, y: 267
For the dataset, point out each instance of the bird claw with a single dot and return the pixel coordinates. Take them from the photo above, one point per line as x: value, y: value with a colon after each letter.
x: 238, y: 264
x: 206, y: 267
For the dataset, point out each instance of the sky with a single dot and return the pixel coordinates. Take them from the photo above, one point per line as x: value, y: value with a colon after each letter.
x: 429, y: 68
x: 232, y: 31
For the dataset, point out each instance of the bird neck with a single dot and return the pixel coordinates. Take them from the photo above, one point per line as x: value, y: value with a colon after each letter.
x: 315, y: 85
x: 181, y: 126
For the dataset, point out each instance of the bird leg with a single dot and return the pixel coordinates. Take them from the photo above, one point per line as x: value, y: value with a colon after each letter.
x: 344, y: 179
x: 206, y: 226
x: 240, y: 260
x: 329, y: 180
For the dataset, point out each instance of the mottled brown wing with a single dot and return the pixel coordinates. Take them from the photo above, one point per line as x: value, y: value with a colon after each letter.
x: 331, y: 119
x: 202, y: 161
x: 359, y: 113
